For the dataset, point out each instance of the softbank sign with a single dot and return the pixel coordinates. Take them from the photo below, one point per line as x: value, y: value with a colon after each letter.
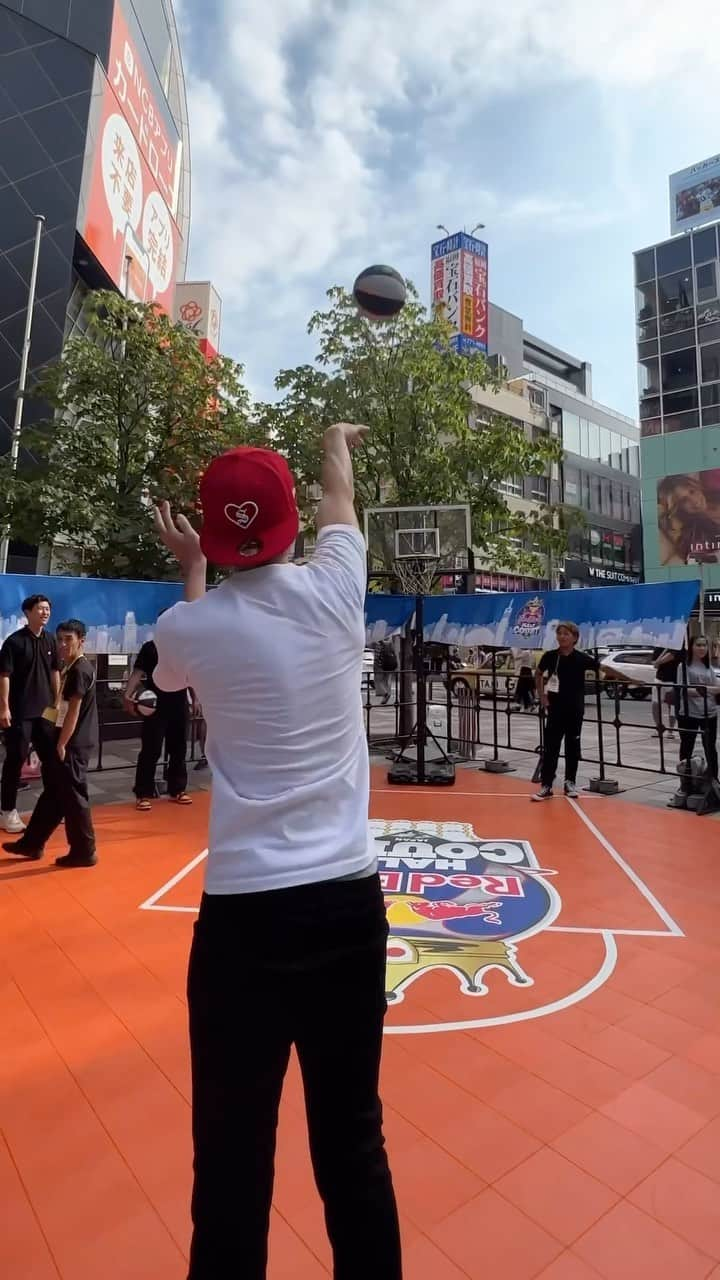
x: 198, y: 309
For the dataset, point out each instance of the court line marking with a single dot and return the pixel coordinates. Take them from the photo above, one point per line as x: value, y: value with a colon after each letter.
x: 524, y: 1015
x: 150, y: 903
x: 647, y: 893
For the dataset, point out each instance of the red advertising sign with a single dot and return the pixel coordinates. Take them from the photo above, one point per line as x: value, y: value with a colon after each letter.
x: 199, y: 310
x: 480, y: 299
x: 130, y: 183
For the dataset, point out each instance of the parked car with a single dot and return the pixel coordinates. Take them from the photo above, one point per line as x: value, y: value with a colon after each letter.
x: 638, y: 665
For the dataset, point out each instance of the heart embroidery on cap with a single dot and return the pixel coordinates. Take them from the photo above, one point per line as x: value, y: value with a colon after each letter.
x: 242, y: 515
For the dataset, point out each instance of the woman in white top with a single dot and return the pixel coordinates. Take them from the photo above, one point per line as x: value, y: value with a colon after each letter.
x: 698, y: 710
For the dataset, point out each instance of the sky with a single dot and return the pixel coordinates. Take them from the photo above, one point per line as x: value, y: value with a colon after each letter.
x: 331, y: 134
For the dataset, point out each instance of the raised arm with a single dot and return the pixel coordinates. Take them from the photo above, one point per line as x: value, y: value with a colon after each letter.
x: 337, y: 505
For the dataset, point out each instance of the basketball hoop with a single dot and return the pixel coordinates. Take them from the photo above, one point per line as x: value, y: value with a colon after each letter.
x: 416, y: 575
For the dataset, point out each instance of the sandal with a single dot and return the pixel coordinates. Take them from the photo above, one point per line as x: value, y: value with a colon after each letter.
x: 143, y: 806
x: 183, y: 798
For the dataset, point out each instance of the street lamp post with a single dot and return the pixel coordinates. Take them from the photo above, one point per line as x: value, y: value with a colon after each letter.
x: 22, y: 382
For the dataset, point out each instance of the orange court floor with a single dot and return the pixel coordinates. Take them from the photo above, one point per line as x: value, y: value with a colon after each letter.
x: 551, y: 1075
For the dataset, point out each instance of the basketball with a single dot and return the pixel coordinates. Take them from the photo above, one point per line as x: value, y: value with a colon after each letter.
x: 379, y: 292
x: 146, y: 703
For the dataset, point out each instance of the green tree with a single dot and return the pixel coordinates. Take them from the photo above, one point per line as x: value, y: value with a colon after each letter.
x: 137, y: 412
x: 429, y: 442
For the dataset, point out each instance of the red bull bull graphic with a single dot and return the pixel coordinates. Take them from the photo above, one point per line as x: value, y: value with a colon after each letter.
x: 530, y: 621
x: 458, y: 902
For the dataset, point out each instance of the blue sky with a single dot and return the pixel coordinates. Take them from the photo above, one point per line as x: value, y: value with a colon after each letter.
x: 329, y: 134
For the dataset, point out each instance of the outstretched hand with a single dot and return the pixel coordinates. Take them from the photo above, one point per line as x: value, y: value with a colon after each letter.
x: 353, y: 433
x: 178, y: 535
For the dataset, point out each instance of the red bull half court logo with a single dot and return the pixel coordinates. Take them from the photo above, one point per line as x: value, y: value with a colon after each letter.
x: 459, y: 902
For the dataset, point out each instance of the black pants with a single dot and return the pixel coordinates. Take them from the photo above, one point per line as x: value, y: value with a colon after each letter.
x: 690, y: 727
x: 562, y: 722
x: 64, y: 798
x: 169, y: 723
x: 303, y: 967
x: 19, y: 738
x: 525, y: 690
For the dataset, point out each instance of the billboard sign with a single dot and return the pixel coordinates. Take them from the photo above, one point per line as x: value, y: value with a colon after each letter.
x: 131, y: 175
x: 460, y: 287
x: 695, y: 195
x: 688, y: 513
x: 198, y: 309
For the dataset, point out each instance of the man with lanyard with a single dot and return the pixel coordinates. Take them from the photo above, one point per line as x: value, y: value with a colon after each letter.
x: 560, y: 682
x: 29, y: 683
x: 290, y: 943
x: 74, y: 729
x: 168, y: 723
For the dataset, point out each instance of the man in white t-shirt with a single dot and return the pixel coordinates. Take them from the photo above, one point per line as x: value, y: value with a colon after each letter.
x: 289, y: 947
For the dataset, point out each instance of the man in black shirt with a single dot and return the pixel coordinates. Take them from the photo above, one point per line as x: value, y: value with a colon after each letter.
x: 560, y: 681
x: 29, y: 683
x: 169, y: 722
x: 74, y: 727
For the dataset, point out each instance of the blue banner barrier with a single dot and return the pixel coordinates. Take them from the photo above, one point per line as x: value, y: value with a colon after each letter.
x: 386, y: 616
x: 120, y: 614
x: 649, y: 614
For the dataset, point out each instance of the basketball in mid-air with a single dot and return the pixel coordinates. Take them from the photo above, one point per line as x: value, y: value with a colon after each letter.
x: 146, y: 703
x: 379, y: 292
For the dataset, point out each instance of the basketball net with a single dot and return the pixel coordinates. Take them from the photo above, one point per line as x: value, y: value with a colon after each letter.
x: 416, y: 576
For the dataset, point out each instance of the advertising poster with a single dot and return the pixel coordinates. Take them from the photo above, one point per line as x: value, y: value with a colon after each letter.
x: 120, y: 614
x: 132, y: 172
x: 688, y: 509
x: 199, y: 310
x: 695, y: 195
x: 459, y: 286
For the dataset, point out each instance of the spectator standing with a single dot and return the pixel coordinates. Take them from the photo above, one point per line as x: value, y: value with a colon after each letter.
x: 698, y: 688
x: 29, y: 684
x: 168, y: 724
x: 560, y: 681
x: 384, y: 670
x: 73, y: 726
x: 666, y: 663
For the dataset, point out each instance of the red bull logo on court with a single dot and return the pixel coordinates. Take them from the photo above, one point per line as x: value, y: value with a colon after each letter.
x: 459, y: 902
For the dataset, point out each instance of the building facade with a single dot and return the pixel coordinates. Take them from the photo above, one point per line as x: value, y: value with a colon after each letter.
x: 677, y: 293
x: 600, y: 474
x: 94, y: 137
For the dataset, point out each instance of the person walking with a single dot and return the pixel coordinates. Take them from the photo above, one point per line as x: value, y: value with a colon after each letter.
x: 560, y: 682
x: 666, y: 663
x: 73, y: 724
x: 290, y: 943
x: 168, y: 724
x: 29, y: 683
x: 698, y: 688
x: 385, y: 666
x: 525, y: 687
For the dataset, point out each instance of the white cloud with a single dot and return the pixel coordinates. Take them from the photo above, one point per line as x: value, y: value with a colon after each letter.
x: 329, y: 131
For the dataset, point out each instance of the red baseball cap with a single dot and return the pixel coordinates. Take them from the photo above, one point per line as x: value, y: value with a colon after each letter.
x: 249, y: 509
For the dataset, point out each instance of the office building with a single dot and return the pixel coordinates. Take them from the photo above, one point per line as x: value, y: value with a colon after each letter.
x: 600, y: 474
x: 94, y: 136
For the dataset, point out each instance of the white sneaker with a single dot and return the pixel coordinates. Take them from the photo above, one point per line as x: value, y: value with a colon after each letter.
x: 545, y: 793
x: 571, y: 790
x: 11, y: 822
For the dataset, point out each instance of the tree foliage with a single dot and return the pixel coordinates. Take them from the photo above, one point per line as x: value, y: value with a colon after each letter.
x: 136, y: 412
x: 429, y: 442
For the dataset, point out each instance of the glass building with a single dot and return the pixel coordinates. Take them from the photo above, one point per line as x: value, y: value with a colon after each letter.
x: 94, y: 136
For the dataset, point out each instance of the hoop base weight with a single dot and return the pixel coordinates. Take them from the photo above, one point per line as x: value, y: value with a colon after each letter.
x: 604, y: 787
x: 497, y: 766
x: 438, y: 773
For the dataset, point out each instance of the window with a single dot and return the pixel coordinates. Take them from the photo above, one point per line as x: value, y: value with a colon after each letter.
x: 605, y: 497
x: 711, y: 416
x: 571, y: 486
x: 584, y: 447
x: 650, y: 427
x: 706, y: 282
x: 537, y: 398
x: 674, y: 255
x: 633, y: 454
x: 539, y: 488
x: 605, y: 449
x: 675, y: 292
x: 595, y: 494
x: 512, y: 487
x: 616, y: 451
x: 711, y: 405
x: 644, y: 266
x: 595, y: 546
x: 680, y: 401
x: 646, y: 302
x: 710, y: 359
x: 616, y: 499
x: 650, y: 408
x: 711, y: 395
x: 594, y: 441
x: 571, y: 432
x: 682, y: 421
x: 649, y: 377
x: 647, y: 329
x: 708, y: 313
x: 704, y: 245
x: 646, y: 349
x: 627, y: 503
x: 677, y: 321
x: 585, y: 496
x: 709, y: 333
x: 608, y: 548
x: 635, y: 506
x: 679, y: 370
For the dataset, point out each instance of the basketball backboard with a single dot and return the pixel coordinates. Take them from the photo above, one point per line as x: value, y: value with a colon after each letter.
x: 440, y: 533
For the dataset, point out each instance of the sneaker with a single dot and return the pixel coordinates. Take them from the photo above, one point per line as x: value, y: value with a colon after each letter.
x: 545, y: 793
x: 21, y: 850
x: 11, y: 822
x: 201, y: 764
x: 571, y: 790
x: 73, y: 860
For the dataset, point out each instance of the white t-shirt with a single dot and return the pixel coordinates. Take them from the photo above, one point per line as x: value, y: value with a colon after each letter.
x: 275, y: 657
